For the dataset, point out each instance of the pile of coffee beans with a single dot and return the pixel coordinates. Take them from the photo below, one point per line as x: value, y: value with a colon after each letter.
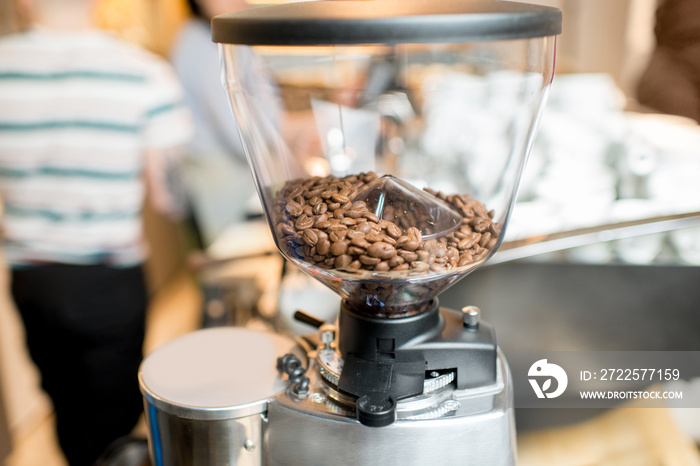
x: 318, y: 221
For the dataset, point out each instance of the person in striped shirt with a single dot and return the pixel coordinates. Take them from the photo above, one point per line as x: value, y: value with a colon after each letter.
x: 87, y: 121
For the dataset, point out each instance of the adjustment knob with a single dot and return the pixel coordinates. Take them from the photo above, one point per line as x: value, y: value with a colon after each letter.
x: 376, y: 410
x: 471, y: 315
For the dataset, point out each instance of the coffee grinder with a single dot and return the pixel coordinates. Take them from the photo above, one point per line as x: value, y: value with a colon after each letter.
x: 386, y: 139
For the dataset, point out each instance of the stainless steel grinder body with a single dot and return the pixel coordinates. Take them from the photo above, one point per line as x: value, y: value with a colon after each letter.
x: 467, y: 427
x: 197, y: 413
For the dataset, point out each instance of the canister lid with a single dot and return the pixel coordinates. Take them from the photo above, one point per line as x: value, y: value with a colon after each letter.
x: 385, y: 22
x: 219, y: 373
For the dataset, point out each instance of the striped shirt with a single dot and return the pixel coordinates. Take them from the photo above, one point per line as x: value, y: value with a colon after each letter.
x: 78, y: 110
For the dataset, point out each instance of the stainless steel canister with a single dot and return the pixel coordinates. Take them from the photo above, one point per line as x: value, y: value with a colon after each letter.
x: 206, y: 395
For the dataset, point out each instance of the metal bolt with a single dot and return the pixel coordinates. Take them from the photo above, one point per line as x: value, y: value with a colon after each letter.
x: 327, y: 334
x: 249, y: 445
x: 471, y: 316
x: 318, y: 397
x: 451, y: 405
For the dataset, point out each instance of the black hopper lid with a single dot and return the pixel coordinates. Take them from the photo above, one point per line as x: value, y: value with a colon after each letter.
x: 349, y: 22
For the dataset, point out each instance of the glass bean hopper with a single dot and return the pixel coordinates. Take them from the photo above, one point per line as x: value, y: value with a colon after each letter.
x: 387, y: 138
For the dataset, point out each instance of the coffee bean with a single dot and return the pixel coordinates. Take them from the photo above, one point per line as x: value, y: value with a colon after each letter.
x: 297, y: 191
x: 364, y: 227
x: 402, y: 240
x: 469, y: 241
x: 285, y: 229
x: 408, y: 256
x: 383, y: 266
x: 465, y: 260
x: 396, y: 261
x: 355, y: 213
x: 437, y: 267
x: 453, y: 253
x: 293, y: 208
x: 481, y: 254
x: 382, y: 250
x: 411, y: 245
x: 440, y: 250
x: 342, y: 261
x: 481, y: 226
x: 415, y: 234
x: 310, y: 237
x: 304, y: 222
x: 360, y: 242
x: 354, y: 265
x: 337, y: 235
x: 466, y: 212
x: 370, y: 216
x: 314, y: 193
x: 340, y: 247
x: 373, y: 237
x: 388, y: 239
x: 354, y: 233
x: 323, y: 246
x: 367, y: 260
x: 320, y: 218
x: 337, y: 197
x: 356, y: 251
x: 420, y: 266
x: 485, y: 238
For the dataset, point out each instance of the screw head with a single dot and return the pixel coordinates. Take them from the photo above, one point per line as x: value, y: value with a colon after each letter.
x: 327, y: 334
x: 249, y: 444
x: 451, y: 405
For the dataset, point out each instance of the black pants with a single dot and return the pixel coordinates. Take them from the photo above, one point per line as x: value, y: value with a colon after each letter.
x: 85, y: 329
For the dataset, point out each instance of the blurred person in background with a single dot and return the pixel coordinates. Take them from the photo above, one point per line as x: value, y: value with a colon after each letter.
x: 671, y: 81
x: 86, y: 122
x: 220, y: 186
x: 218, y: 178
